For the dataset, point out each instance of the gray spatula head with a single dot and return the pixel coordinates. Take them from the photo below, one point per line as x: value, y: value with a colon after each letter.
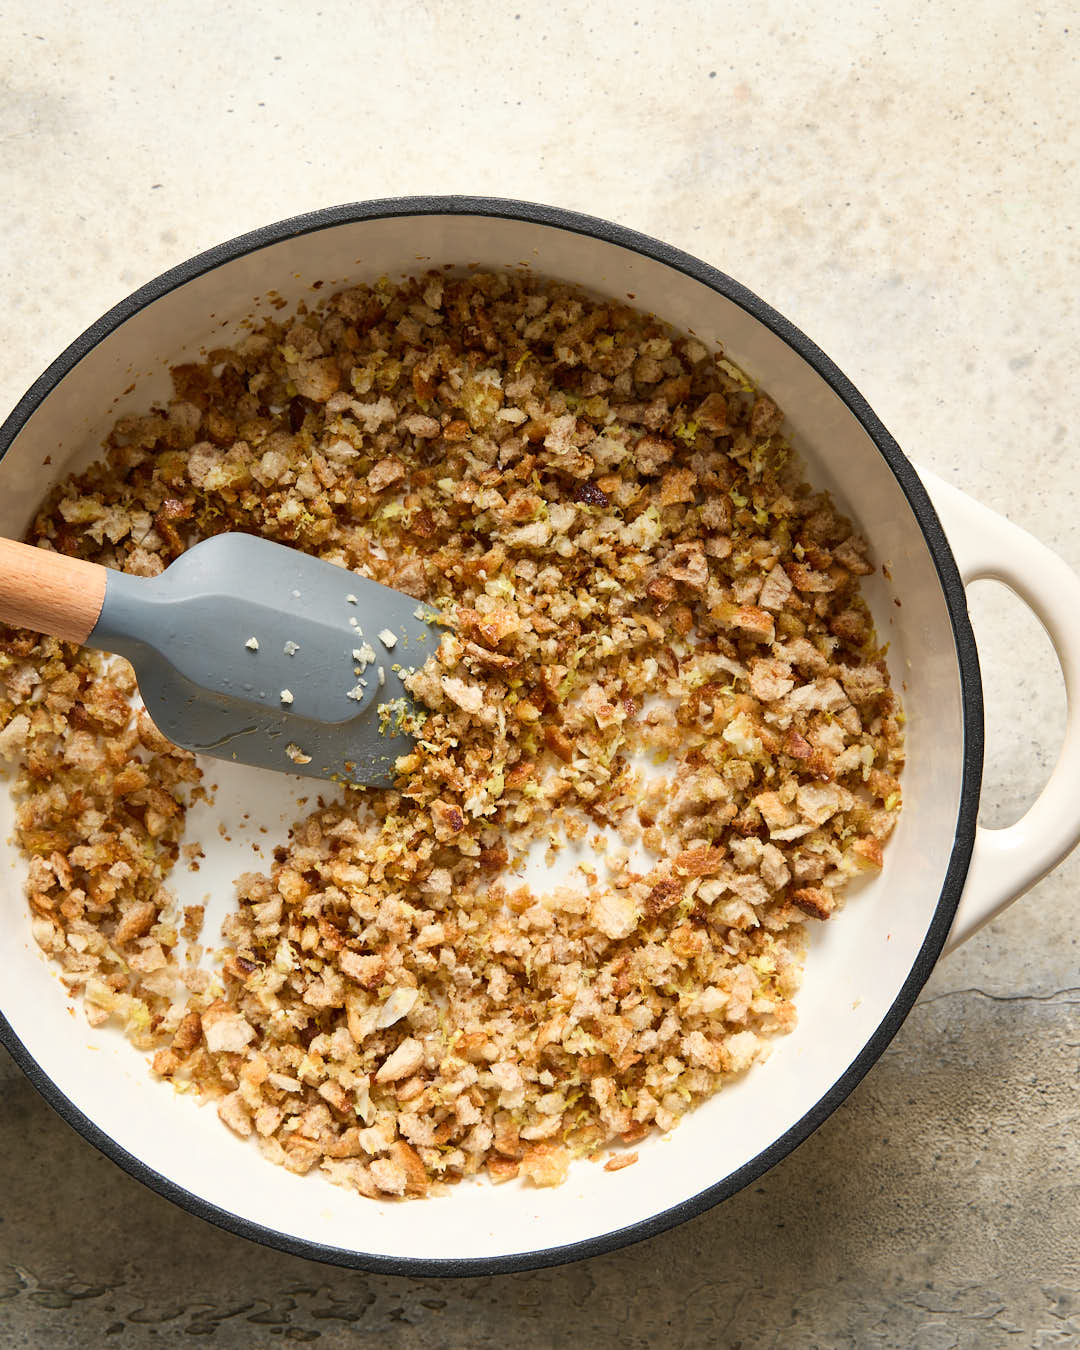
x: 250, y: 651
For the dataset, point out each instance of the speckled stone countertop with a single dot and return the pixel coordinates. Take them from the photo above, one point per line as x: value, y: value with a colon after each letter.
x: 899, y: 180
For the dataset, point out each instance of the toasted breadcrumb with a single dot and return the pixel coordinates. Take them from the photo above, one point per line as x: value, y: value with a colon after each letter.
x: 606, y: 518
x: 620, y: 1160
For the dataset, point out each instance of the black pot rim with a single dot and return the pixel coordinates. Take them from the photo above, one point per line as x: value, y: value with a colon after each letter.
x: 967, y: 661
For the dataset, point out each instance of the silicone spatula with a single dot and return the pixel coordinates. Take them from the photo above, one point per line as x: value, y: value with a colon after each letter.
x: 244, y: 649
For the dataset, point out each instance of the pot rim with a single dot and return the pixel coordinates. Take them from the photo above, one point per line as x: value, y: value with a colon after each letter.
x: 970, y: 688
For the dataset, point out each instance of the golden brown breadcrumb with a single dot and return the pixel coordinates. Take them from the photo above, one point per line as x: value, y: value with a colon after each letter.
x: 655, y: 645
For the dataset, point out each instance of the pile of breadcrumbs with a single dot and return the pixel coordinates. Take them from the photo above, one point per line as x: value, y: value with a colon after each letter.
x: 655, y: 644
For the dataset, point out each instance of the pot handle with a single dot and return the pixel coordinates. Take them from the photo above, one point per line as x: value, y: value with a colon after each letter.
x: 1007, y: 862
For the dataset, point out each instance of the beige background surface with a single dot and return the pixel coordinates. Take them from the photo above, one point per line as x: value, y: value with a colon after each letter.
x: 899, y: 180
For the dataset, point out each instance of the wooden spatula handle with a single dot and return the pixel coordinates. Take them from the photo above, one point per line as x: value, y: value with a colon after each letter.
x: 49, y: 592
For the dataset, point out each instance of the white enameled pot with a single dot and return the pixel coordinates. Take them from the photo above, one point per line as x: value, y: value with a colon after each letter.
x: 942, y: 879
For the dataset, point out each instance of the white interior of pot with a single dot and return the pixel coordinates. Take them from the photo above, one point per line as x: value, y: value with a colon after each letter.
x: 857, y: 962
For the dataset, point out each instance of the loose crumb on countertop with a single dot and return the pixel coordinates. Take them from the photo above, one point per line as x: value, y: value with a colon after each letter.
x: 655, y: 628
